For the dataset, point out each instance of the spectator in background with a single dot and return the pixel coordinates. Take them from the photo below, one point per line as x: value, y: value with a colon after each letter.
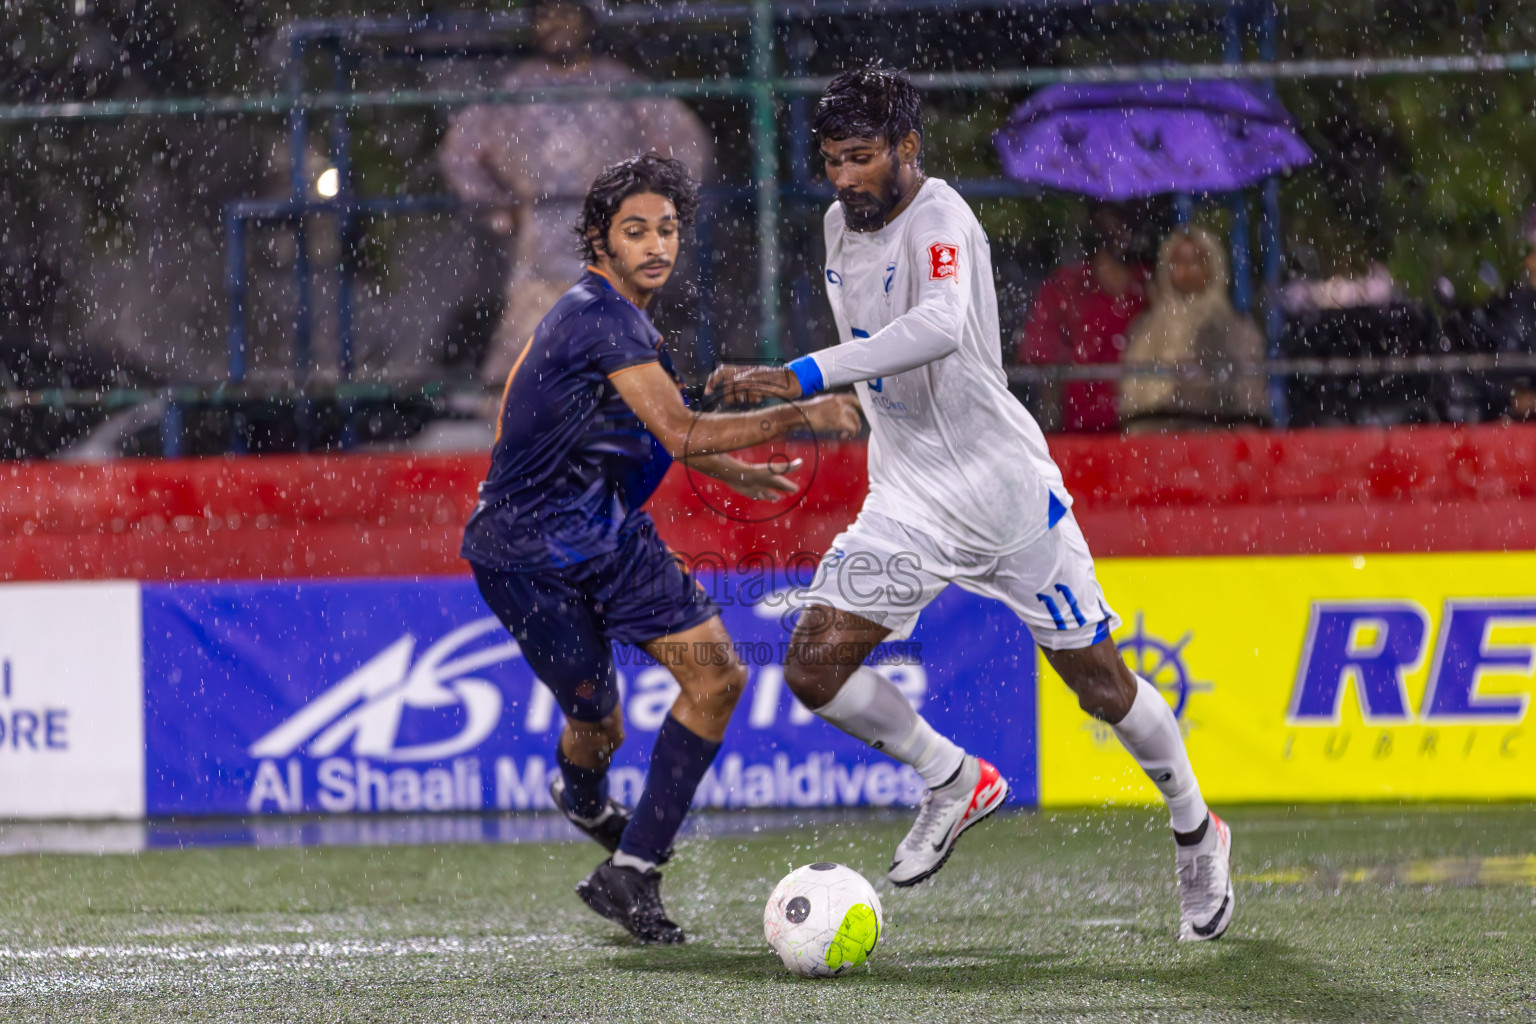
x: 1082, y: 316
x: 1191, y: 324
x: 526, y: 166
x: 1511, y: 320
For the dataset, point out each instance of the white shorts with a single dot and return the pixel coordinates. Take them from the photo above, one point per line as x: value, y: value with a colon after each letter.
x: 886, y: 572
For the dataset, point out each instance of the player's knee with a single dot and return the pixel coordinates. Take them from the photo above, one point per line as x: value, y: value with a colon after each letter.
x: 812, y: 684
x: 1103, y: 694
x: 731, y: 684
x: 1105, y: 688
x: 720, y: 690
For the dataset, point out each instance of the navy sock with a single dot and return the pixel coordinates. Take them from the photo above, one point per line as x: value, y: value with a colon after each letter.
x: 678, y: 761
x: 586, y: 789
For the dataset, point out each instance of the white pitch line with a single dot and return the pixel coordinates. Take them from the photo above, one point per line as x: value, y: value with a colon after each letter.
x: 261, y: 950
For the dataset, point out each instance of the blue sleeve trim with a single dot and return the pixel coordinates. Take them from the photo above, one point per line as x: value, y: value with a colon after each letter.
x: 808, y: 374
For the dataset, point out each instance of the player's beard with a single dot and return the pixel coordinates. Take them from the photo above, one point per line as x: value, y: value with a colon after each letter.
x: 865, y: 211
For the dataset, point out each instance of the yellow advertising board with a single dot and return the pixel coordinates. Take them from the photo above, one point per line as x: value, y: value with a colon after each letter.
x: 1317, y: 678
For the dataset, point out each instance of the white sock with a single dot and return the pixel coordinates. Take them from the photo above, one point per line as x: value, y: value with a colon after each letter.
x: 871, y: 708
x: 1151, y: 734
x: 629, y: 860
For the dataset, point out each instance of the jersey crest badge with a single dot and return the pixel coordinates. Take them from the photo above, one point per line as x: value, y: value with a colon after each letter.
x: 942, y: 260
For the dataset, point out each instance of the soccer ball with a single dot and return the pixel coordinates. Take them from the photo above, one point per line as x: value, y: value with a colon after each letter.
x: 823, y: 920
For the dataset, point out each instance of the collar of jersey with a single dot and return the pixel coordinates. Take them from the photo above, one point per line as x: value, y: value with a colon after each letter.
x: 608, y: 283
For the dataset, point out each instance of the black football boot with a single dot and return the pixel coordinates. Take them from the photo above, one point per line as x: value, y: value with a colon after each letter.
x: 631, y: 898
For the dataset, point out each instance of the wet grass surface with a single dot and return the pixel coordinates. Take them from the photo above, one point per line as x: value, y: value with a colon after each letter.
x: 1344, y: 914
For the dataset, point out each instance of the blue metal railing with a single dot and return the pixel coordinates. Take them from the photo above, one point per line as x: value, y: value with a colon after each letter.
x: 761, y: 88
x: 343, y: 38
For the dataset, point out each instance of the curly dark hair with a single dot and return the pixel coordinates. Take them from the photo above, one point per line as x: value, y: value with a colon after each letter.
x: 649, y: 172
x: 871, y: 102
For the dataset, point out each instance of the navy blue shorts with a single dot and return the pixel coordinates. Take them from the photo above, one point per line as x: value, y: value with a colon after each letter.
x: 565, y: 619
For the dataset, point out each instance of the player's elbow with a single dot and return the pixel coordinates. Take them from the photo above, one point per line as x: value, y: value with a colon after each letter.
x: 950, y: 344
x: 674, y: 432
x: 677, y: 447
x: 948, y: 325
x: 941, y: 343
x: 938, y: 331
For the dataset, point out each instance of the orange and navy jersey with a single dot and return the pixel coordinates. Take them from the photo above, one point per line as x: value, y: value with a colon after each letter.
x: 571, y: 460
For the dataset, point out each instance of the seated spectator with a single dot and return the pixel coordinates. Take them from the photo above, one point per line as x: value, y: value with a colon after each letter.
x: 1511, y: 327
x: 527, y: 166
x: 1370, y: 397
x: 1191, y: 325
x: 1081, y: 316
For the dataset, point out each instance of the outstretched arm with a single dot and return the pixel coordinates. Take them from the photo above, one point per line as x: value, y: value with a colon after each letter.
x: 654, y: 398
x: 757, y: 481
x: 929, y: 331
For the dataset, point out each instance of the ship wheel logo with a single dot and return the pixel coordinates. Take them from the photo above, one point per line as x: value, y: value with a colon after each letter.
x: 1162, y: 664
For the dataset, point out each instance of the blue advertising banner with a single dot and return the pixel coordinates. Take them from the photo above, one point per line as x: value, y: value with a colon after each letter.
x: 385, y: 695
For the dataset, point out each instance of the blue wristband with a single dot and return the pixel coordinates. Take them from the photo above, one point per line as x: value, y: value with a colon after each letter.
x: 808, y: 374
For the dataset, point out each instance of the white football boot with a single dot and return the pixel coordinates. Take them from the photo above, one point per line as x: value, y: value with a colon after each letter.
x: 1205, y: 885
x: 975, y: 792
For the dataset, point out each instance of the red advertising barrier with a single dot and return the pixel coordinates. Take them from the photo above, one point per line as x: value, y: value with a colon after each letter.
x: 1435, y: 488
x: 1358, y: 490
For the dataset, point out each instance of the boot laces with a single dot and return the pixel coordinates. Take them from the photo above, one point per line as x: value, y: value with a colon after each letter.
x: 932, y: 821
x: 1199, y: 882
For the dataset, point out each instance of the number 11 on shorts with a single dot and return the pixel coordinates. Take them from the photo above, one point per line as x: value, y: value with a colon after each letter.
x: 1055, y: 610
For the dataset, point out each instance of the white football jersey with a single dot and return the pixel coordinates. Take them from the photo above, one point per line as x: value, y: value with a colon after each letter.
x: 952, y: 453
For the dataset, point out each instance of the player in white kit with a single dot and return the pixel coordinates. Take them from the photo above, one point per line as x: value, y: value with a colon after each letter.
x: 962, y: 490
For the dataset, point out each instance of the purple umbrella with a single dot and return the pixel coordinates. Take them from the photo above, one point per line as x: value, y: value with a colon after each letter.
x: 1125, y: 141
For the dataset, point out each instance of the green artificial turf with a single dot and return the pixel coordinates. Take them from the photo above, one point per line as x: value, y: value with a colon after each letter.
x: 1343, y: 914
